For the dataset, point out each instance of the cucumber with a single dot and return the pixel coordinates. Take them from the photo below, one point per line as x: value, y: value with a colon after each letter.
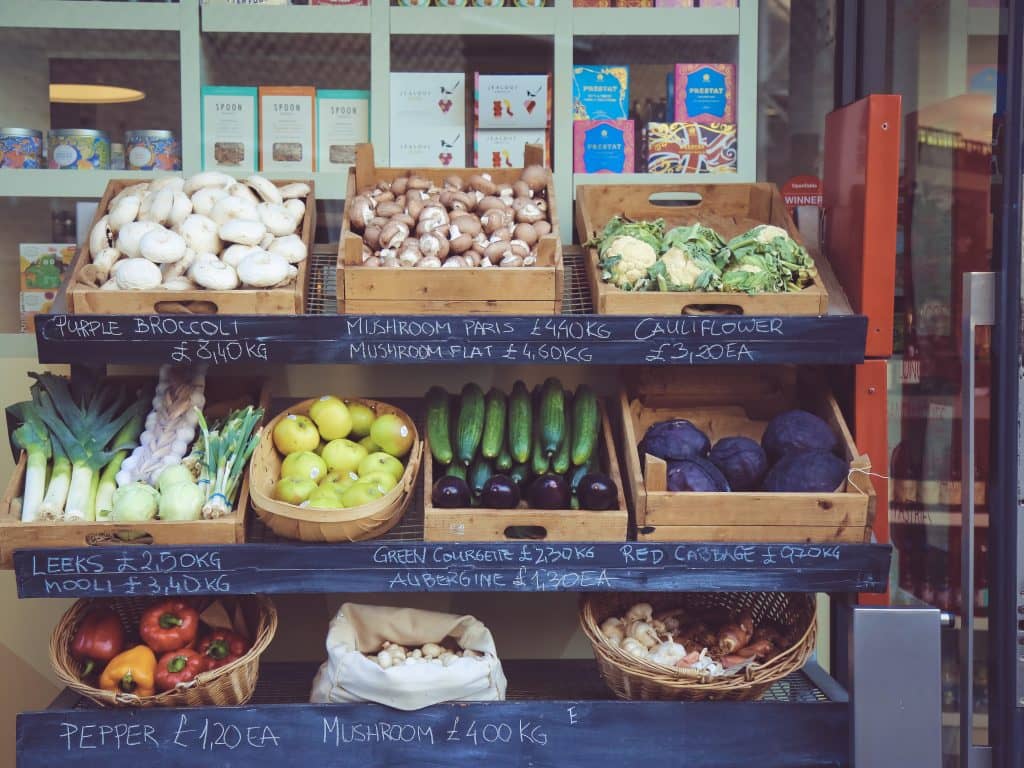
x: 438, y: 418
x: 470, y: 423
x: 504, y: 461
x: 586, y: 420
x: 538, y: 459
x: 520, y: 473
x: 494, y: 423
x: 561, y: 461
x: 575, y: 476
x: 552, y: 416
x: 520, y: 422
x: 479, y: 472
x: 456, y: 470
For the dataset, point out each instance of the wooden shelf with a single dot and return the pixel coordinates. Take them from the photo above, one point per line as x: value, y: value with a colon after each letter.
x: 45, y: 182
x: 658, y: 178
x: 724, y: 22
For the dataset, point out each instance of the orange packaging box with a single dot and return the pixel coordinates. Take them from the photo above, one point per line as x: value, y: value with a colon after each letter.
x: 288, y: 128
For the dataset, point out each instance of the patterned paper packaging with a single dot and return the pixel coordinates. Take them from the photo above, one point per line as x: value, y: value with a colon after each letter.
x: 507, y: 149
x: 43, y: 265
x: 705, y: 93
x: 673, y: 3
x: 504, y: 102
x: 691, y: 148
x: 600, y: 92
x: 602, y: 146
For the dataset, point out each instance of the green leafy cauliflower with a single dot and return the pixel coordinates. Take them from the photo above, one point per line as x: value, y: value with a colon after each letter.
x: 627, y: 250
x: 766, y: 259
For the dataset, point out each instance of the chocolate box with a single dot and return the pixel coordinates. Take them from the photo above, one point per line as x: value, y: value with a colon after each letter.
x: 600, y: 92
x: 705, y: 93
x: 506, y: 102
x: 691, y: 148
x: 603, y: 146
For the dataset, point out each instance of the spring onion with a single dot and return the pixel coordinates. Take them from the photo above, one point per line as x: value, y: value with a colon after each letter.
x: 225, y: 451
x: 33, y: 438
x: 88, y: 430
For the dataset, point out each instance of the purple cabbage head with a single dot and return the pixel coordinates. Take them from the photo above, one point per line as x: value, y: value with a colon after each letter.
x: 674, y: 440
x: 742, y: 461
x: 695, y: 474
x: 797, y: 431
x: 807, y: 472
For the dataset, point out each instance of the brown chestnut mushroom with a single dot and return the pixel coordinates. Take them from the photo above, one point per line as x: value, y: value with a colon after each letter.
x: 503, y: 233
x: 393, y: 234
x: 530, y: 260
x: 418, y: 182
x: 373, y: 261
x: 434, y: 244
x: 511, y: 260
x: 371, y: 236
x: 389, y: 209
x: 542, y: 227
x: 460, y: 244
x: 429, y: 262
x: 379, y: 221
x: 494, y: 220
x: 409, y: 253
x: 529, y: 214
x: 495, y: 251
x: 454, y: 262
x: 454, y: 183
x: 482, y: 182
x: 390, y: 261
x: 406, y: 219
x: 526, y: 233
x: 385, y: 197
x: 472, y: 258
x: 519, y: 203
x: 522, y: 189
x: 360, y: 212
x: 489, y: 203
x: 465, y: 224
x: 400, y: 185
x: 413, y: 206
x: 535, y: 176
x: 519, y: 248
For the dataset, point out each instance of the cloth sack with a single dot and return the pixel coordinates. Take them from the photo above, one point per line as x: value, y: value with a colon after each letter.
x: 349, y: 676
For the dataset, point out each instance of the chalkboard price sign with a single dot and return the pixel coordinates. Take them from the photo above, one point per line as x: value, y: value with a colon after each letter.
x: 577, y: 339
x: 454, y: 567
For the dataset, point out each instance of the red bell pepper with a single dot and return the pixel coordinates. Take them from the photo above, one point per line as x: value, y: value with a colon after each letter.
x: 169, y: 625
x: 221, y: 647
x: 99, y: 638
x: 176, y: 667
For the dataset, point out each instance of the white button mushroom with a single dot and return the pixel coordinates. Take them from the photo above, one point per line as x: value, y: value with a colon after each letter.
x: 276, y: 218
x: 206, y: 179
x: 104, y: 262
x: 123, y: 213
x: 174, y: 183
x: 291, y: 247
x: 137, y: 275
x: 179, y: 283
x: 231, y: 207
x: 99, y: 236
x: 266, y: 189
x: 200, y: 233
x: 297, y: 209
x: 242, y: 231
x: 133, y: 190
x: 235, y: 252
x: 162, y: 246
x: 180, y: 210
x: 207, y: 197
x: 156, y: 206
x: 239, y: 189
x: 131, y: 234
x: 212, y: 273
x: 262, y: 269
x: 295, y: 190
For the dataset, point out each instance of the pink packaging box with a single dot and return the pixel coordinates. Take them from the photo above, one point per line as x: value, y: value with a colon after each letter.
x: 673, y: 3
x: 705, y: 93
x: 603, y: 146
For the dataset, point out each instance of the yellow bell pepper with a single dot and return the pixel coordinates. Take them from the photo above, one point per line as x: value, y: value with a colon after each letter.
x: 132, y: 671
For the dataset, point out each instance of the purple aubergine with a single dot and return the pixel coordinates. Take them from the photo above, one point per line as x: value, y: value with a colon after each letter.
x: 549, y: 492
x: 597, y: 491
x: 450, y: 493
x: 500, y: 492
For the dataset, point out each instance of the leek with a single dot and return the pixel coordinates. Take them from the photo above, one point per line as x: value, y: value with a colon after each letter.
x: 129, y: 434
x: 32, y: 438
x: 52, y: 507
x: 225, y: 452
x: 88, y: 429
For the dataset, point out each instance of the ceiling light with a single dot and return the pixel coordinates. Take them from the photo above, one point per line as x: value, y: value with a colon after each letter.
x: 80, y: 93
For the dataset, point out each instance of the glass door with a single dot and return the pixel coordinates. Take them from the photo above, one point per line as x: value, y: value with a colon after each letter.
x: 944, y: 60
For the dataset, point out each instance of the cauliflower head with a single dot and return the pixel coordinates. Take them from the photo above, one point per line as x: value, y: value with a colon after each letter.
x: 683, y: 269
x: 768, y: 232
x: 626, y: 262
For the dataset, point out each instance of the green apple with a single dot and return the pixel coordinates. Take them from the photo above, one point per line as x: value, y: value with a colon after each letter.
x: 320, y: 448
x: 361, y: 493
x: 294, y: 490
x: 392, y: 434
x: 331, y: 417
x: 362, y: 418
x: 326, y: 496
x: 343, y: 455
x: 369, y: 445
x: 295, y: 433
x: 381, y: 462
x: 381, y: 478
x: 344, y: 479
x: 304, y: 464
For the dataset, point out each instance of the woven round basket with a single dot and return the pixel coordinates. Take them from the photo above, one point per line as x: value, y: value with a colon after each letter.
x: 329, y: 525
x: 229, y: 685
x: 633, y: 678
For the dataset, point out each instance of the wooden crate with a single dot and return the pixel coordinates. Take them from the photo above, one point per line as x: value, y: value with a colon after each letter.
x: 479, y: 524
x: 84, y: 299
x: 535, y: 290
x: 222, y: 393
x: 738, y: 401
x: 731, y: 209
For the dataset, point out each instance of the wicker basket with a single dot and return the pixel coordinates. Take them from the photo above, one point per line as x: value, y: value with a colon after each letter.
x: 230, y: 685
x: 328, y: 525
x: 633, y: 678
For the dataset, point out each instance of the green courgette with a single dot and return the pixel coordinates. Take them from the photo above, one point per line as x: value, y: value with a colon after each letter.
x: 494, y: 423
x: 503, y: 462
x: 479, y: 473
x: 586, y: 421
x: 520, y: 422
x: 470, y: 423
x: 552, y: 416
x: 438, y: 419
x: 561, y: 461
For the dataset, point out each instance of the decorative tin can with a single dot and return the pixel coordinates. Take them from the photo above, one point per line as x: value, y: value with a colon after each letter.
x: 116, y: 156
x: 21, y: 148
x: 151, y: 151
x: 79, y: 148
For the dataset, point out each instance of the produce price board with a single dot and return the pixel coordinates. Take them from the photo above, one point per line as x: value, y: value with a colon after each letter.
x: 567, y: 734
x: 565, y: 339
x: 450, y: 567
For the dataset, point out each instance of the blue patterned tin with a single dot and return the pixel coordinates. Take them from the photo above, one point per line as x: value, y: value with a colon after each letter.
x: 151, y: 151
x: 21, y: 148
x: 78, y: 149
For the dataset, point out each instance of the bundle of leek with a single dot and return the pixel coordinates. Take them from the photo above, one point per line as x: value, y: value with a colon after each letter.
x: 33, y: 438
x: 87, y: 433
x: 225, y: 450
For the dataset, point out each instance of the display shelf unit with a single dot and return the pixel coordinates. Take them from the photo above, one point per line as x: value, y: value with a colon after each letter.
x: 46, y: 182
x: 557, y: 713
x: 560, y: 22
x: 576, y: 337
